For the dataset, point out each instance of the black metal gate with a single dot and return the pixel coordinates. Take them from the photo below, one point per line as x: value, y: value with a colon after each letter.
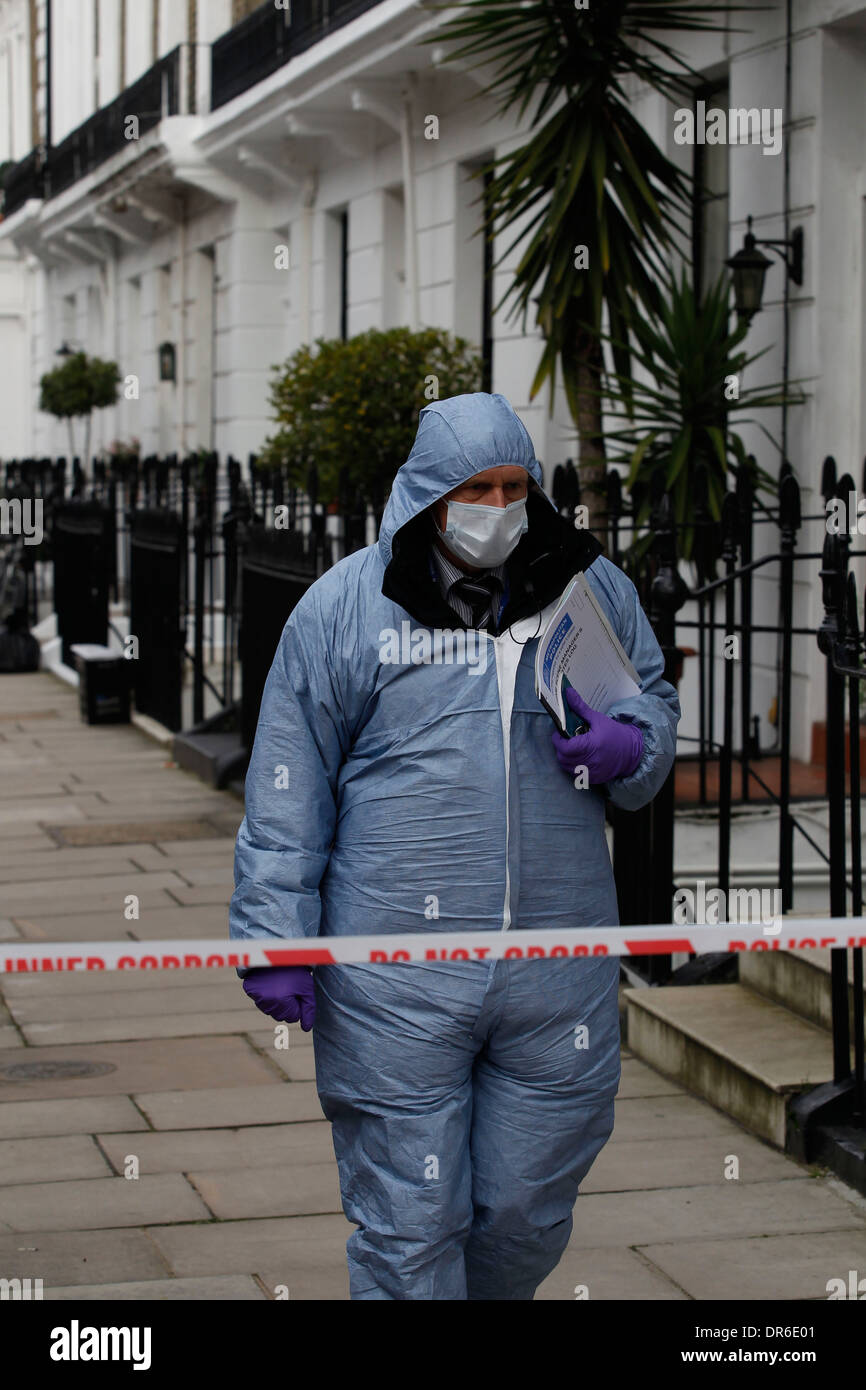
x: 277, y: 568
x: 157, y: 613
x: 83, y: 537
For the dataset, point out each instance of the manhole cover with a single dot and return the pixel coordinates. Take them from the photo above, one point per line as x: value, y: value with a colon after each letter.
x: 55, y: 1071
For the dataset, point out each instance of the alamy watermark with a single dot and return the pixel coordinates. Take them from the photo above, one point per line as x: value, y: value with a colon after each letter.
x: 738, y: 125
x: 22, y: 518
x: 77, y: 1343
x: 845, y: 516
x: 20, y: 1290
x: 710, y: 906
x: 437, y: 646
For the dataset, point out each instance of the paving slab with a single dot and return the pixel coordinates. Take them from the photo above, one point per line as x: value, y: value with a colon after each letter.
x: 266, y: 1040
x: 54, y: 808
x: 624, y: 1165
x: 315, y: 1274
x: 37, y: 870
x: 96, y: 887
x: 87, y: 1115
x: 638, y: 1080
x: 777, y: 1267
x: 189, y: 922
x: 198, y: 849
x: 57, y: 986
x: 51, y: 1159
x: 182, y: 1025
x: 296, y: 1189
x: 174, y: 922
x: 189, y: 1065
x: 677, y: 1116
x: 19, y: 832
x: 65, y: 1258
x: 147, y: 857
x: 219, y: 1288
x: 144, y: 830
x: 200, y: 1150
x: 217, y: 893
x: 100, y: 1203
x: 150, y: 896
x: 693, y: 1213
x: 67, y: 1005
x: 88, y: 926
x: 44, y: 781
x: 218, y: 873
x: 229, y: 1106
x: 299, y: 1064
x: 607, y: 1274
x: 287, y: 1247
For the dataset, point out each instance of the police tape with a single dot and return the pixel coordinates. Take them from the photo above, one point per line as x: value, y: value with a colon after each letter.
x: 785, y: 934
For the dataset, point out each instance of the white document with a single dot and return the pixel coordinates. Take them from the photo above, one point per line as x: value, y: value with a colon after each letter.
x: 580, y: 645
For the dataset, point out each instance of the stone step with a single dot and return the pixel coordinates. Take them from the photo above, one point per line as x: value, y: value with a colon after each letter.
x: 798, y: 980
x: 739, y: 1050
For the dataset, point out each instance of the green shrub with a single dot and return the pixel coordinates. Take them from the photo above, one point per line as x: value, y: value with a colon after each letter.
x: 353, y: 405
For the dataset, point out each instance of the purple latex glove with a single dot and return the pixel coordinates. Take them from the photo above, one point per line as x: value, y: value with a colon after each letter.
x: 609, y: 749
x: 285, y: 992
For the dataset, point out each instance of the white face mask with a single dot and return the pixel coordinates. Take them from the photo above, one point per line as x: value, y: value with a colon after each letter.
x: 484, y: 536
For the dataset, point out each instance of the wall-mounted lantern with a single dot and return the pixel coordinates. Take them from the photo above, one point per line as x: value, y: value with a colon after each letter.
x: 750, y: 265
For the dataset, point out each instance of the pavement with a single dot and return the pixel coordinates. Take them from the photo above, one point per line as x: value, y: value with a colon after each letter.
x: 178, y: 1152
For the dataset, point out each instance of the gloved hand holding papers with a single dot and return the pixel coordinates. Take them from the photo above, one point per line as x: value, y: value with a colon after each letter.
x: 579, y: 648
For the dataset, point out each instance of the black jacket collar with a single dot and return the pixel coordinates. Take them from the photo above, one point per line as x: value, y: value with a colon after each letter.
x: 550, y: 553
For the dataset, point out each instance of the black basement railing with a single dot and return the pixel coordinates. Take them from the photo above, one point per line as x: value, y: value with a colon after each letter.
x: 269, y: 37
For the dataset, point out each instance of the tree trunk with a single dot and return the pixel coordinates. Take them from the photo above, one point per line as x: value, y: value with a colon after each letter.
x: 592, y: 462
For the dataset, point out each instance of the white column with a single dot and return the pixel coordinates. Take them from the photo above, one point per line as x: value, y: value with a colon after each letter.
x: 366, y: 262
x: 250, y: 329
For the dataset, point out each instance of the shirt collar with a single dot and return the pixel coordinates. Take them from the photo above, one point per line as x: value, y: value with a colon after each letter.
x: 449, y: 574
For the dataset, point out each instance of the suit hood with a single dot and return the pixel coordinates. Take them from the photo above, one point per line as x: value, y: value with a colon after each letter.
x: 456, y: 439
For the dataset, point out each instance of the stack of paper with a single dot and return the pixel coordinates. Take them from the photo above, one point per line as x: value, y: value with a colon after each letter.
x: 580, y: 646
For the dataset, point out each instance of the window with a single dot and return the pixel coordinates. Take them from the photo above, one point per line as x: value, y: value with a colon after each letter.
x: 394, y: 260
x: 335, y: 255
x: 473, y: 287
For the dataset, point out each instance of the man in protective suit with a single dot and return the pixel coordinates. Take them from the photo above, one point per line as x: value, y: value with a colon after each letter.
x: 427, y: 790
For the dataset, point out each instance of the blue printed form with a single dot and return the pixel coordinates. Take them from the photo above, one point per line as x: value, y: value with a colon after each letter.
x: 580, y: 645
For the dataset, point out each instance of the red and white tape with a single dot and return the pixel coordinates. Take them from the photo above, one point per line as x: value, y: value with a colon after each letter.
x: 793, y: 934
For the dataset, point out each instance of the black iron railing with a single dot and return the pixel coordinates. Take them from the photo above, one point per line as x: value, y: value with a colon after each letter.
x: 269, y: 37
x: 190, y: 549
x: 724, y: 604
x: 137, y: 109
x: 842, y: 641
x: 24, y: 181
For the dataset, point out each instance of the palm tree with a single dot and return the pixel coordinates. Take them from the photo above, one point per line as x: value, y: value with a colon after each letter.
x: 681, y: 418
x: 597, y: 198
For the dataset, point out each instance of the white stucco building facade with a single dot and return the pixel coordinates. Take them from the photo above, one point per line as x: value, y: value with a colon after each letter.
x: 175, y: 234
